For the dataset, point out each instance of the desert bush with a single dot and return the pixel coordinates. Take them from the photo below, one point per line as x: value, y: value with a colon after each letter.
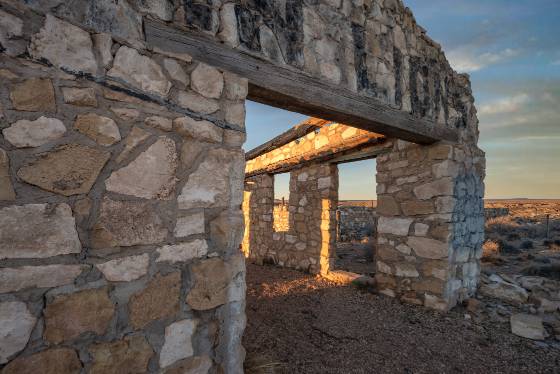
x: 490, y: 248
x: 506, y: 247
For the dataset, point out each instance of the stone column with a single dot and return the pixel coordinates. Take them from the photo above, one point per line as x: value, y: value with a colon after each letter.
x: 258, y: 205
x: 431, y: 222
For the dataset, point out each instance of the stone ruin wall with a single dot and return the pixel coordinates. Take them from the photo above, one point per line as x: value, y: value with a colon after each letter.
x: 309, y: 242
x: 355, y: 223
x: 281, y: 216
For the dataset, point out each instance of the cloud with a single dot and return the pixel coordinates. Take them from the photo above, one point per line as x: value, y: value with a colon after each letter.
x: 510, y: 104
x: 466, y: 59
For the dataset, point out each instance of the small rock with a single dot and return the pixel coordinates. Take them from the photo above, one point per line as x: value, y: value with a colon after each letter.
x: 34, y: 95
x: 24, y: 133
x: 190, y: 225
x: 130, y: 355
x: 79, y: 96
x: 473, y: 305
x: 178, y: 342
x: 126, y: 114
x: 197, y: 103
x: 51, y: 361
x: 191, y: 365
x: 505, y: 291
x: 135, y: 138
x: 183, y: 251
x: 160, y: 123
x: 202, y: 130
x: 101, y: 129
x: 176, y: 71
x: 125, y: 269
x: 207, y: 81
x: 16, y: 324
x: 103, y: 43
x: 527, y: 326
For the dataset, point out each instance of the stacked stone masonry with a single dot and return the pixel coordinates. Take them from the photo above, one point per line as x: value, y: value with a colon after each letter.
x: 121, y: 171
x: 355, y: 223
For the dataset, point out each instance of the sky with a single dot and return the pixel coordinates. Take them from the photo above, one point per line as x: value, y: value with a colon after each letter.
x: 511, y: 50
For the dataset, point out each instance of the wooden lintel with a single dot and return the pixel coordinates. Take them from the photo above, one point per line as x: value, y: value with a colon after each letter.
x: 288, y: 88
x: 360, y: 155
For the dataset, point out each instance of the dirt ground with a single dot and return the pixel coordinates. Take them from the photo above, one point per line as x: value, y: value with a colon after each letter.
x: 355, y: 257
x: 297, y: 323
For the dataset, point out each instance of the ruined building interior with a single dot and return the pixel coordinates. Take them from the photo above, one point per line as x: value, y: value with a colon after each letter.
x: 124, y: 188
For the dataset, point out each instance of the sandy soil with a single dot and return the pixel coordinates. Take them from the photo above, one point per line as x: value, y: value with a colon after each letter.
x: 297, y: 323
x: 355, y: 257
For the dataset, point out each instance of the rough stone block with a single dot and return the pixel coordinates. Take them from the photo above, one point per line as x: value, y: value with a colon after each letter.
x: 16, y: 324
x: 79, y: 96
x: 416, y: 207
x: 200, y: 130
x: 178, y: 342
x: 395, y: 226
x: 190, y: 225
x: 125, y: 269
x: 207, y: 81
x: 101, y: 129
x: 428, y: 248
x: 50, y: 361
x: 34, y: 95
x: 23, y: 277
x: 130, y: 355
x: 211, y: 281
x: 528, y: 326
x: 182, y: 252
x: 440, y: 187
x: 7, y: 192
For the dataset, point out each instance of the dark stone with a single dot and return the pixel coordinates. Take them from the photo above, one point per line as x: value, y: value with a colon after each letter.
x: 247, y: 29
x: 358, y: 32
x: 199, y: 14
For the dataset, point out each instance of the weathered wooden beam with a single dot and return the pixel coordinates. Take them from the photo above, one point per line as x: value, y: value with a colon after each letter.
x: 288, y: 88
x: 366, y: 153
x: 296, y: 132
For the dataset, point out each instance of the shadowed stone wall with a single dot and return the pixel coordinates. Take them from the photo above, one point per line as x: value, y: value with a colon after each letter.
x: 355, y: 223
x: 309, y: 242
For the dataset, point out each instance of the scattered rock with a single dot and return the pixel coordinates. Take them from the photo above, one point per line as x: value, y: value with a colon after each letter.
x: 51, y: 361
x: 101, y: 129
x: 37, y: 231
x: 201, y: 130
x: 160, y: 123
x: 207, y: 81
x: 182, y: 252
x: 130, y: 355
x: 125, y: 269
x: 68, y: 316
x: 7, y: 192
x: 151, y: 175
x: 127, y: 223
x: 178, y: 342
x: 160, y: 299
x: 70, y: 169
x: 20, y: 278
x: 16, y: 324
x: 34, y: 95
x: 79, y: 96
x: 64, y: 45
x: 134, y: 138
x: 527, y: 326
x: 24, y: 133
x: 505, y: 291
x: 140, y: 71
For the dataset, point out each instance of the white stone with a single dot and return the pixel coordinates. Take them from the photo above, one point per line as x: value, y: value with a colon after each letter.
x: 446, y: 168
x: 16, y: 279
x: 37, y: 231
x: 200, y: 130
x: 79, y: 96
x: 125, y: 269
x: 176, y: 71
x: 269, y: 45
x: 527, y: 326
x: 161, y: 123
x: 134, y: 138
x: 235, y: 114
x: 228, y: 25
x: 178, y: 342
x: 140, y: 71
x: 24, y: 133
x: 182, y: 252
x: 103, y: 43
x: 406, y: 270
x: 64, y: 45
x: 440, y: 187
x: 383, y: 268
x: 421, y: 229
x: 16, y: 324
x: 428, y: 248
x: 151, y: 175
x: 190, y: 225
x: 323, y: 183
x: 404, y: 249
x: 236, y: 87
x: 395, y: 226
x: 207, y: 81
x: 197, y: 103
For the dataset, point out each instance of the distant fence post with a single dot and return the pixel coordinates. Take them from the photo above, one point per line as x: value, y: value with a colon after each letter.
x: 548, y: 226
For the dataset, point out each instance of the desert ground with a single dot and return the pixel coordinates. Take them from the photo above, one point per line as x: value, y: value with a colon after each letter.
x: 297, y: 323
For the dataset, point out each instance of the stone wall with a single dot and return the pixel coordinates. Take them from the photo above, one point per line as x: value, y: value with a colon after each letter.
x: 431, y: 223
x: 309, y: 243
x: 355, y: 223
x: 121, y: 185
x: 281, y: 217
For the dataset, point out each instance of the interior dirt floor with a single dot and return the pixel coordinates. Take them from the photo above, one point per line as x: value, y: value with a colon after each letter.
x: 355, y: 257
x: 298, y: 323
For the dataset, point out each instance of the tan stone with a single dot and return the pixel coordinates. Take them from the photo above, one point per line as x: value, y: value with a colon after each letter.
x: 406, y: 270
x: 20, y: 278
x: 436, y: 269
x: 183, y: 251
x: 387, y: 206
x: 37, y: 231
x: 24, y: 133
x: 68, y: 316
x: 6, y: 187
x: 197, y: 103
x: 201, y: 130
x: 160, y: 123
x: 192, y: 365
x: 176, y: 71
x: 236, y: 87
x: 434, y: 286
x: 428, y: 248
x: 160, y: 299
x: 130, y: 355
x: 440, y: 152
x: 79, y: 96
x: 133, y: 140
x: 125, y: 269
x: 190, y: 150
x: 67, y: 170
x: 16, y: 325
x: 440, y: 187
x: 34, y: 95
x: 395, y: 226
x: 126, y: 114
x: 417, y: 207
x: 127, y: 223
x: 235, y: 114
x: 178, y: 342
x: 207, y: 81
x: 211, y: 280
x: 101, y: 129
x: 191, y: 224
x: 151, y: 175
x: 51, y: 361
x: 103, y: 43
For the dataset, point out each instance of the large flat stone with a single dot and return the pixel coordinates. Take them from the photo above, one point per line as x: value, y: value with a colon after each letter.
x: 160, y: 299
x: 16, y: 324
x: 51, y: 361
x: 127, y: 223
x: 505, y: 291
x: 64, y: 45
x: 395, y: 226
x: 101, y: 129
x: 183, y: 251
x: 37, y: 231
x: 68, y: 316
x: 6, y: 187
x: 140, y: 71
x: 130, y: 355
x: 24, y: 133
x: 151, y: 175
x: 440, y: 187
x: 20, y: 278
x: 428, y: 248
x: 191, y: 224
x: 211, y: 281
x: 178, y: 342
x: 125, y: 269
x: 197, y: 103
x: 34, y: 95
x: 201, y: 130
x: 69, y: 169
x: 528, y: 326
x: 207, y: 81
x: 79, y: 96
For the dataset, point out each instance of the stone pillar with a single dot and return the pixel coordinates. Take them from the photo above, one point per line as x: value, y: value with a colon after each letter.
x: 258, y: 205
x: 431, y: 222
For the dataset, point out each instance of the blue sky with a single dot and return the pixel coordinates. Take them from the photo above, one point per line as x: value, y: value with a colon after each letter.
x: 511, y: 49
